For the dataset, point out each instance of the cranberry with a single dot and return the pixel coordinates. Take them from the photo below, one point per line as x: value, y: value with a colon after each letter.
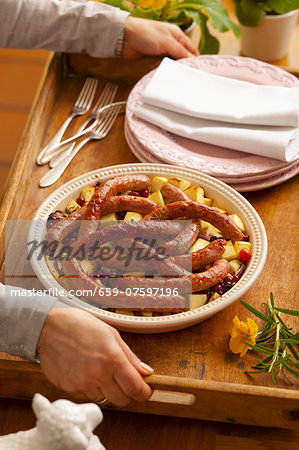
x: 218, y: 288
x: 121, y: 215
x: 213, y: 238
x: 245, y: 237
x: 138, y: 313
x: 235, y: 279
x: 144, y: 193
x: 80, y: 201
x: 51, y: 220
x: 135, y: 193
x: 244, y: 254
x: 228, y: 286
x: 98, y: 184
x: 157, y: 313
x: 228, y: 279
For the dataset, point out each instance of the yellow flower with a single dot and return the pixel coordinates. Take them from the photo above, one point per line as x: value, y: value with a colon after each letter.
x: 242, y: 331
x: 145, y: 3
x: 155, y: 4
x: 159, y: 4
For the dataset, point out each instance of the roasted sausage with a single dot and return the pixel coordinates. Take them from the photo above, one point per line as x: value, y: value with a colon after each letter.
x: 198, y: 211
x: 78, y: 280
x: 103, y: 192
x: 174, y: 194
x: 200, y: 281
x: 119, y: 203
x: 183, y: 241
x: 126, y: 229
x: 144, y: 258
x: 114, y: 204
x: 202, y: 257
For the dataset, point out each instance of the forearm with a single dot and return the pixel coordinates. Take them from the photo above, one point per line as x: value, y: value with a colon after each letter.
x: 65, y: 26
x: 21, y: 320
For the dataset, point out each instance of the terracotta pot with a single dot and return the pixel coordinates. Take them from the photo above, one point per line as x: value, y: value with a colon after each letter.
x: 270, y: 40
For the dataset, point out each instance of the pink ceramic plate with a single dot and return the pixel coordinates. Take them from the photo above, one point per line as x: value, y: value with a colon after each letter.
x: 253, y: 185
x: 211, y: 159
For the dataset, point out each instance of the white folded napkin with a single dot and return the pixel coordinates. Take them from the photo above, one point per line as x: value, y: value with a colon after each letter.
x: 222, y: 111
x: 272, y: 142
x: 182, y: 89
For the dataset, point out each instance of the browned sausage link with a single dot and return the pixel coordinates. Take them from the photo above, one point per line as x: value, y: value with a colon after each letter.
x: 202, y: 257
x: 129, y: 203
x: 65, y: 226
x: 121, y: 183
x: 126, y: 229
x: 198, y: 211
x: 78, y: 280
x: 103, y: 192
x: 146, y: 260
x: 174, y: 194
x: 114, y: 204
x: 200, y: 281
x: 183, y: 241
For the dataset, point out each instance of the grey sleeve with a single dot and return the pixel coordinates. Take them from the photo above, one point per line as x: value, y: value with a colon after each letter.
x: 61, y: 25
x: 22, y: 316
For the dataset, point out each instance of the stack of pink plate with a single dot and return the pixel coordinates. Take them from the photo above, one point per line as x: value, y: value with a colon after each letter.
x: 243, y: 171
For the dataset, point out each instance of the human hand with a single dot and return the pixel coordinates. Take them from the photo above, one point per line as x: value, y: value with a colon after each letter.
x: 150, y: 37
x: 85, y: 357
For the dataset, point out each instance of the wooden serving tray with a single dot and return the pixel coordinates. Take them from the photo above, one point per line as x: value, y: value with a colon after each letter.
x: 187, y: 384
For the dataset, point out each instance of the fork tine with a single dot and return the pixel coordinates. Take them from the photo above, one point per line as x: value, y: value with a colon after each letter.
x: 108, y: 121
x: 82, y: 94
x: 106, y: 96
x: 91, y: 94
x: 90, y: 89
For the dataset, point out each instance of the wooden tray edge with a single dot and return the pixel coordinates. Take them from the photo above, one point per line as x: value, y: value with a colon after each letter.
x: 180, y: 397
x: 32, y: 136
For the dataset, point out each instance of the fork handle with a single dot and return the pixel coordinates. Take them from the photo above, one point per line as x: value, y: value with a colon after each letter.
x: 55, y: 140
x: 54, y: 174
x: 58, y: 156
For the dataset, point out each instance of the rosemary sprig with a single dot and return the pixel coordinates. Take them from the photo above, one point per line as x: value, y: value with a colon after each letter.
x: 276, y: 341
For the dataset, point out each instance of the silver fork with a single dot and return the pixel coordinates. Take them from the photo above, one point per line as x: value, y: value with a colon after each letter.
x: 106, y: 97
x: 109, y: 115
x: 81, y: 106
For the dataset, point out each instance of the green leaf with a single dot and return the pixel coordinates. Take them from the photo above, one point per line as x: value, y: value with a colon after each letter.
x: 283, y: 6
x: 293, y: 351
x: 256, y: 312
x: 255, y: 371
x: 208, y: 44
x: 215, y: 11
x: 148, y: 13
x: 251, y: 12
x: 118, y: 4
x: 294, y: 372
x: 259, y: 348
x: 265, y: 339
x: 291, y: 312
x: 201, y: 352
x: 290, y: 341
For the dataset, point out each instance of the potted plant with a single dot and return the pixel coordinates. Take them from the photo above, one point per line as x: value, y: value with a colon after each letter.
x: 182, y: 12
x: 267, y: 27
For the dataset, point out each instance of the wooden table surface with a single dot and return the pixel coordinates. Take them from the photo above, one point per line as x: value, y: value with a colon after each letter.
x: 171, y: 353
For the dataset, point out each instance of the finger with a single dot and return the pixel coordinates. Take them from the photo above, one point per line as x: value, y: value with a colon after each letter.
x: 175, y: 49
x: 143, y: 369
x: 113, y: 392
x: 131, y: 382
x: 186, y: 42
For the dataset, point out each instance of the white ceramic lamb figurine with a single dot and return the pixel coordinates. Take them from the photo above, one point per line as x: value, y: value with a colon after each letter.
x: 61, y: 425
